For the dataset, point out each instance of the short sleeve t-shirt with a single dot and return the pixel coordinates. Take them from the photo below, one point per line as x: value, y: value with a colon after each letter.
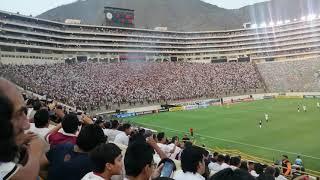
x: 7, y: 170
x: 66, y: 164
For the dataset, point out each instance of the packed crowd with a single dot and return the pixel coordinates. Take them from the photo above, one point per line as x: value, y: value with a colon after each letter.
x: 87, y: 85
x: 90, y: 148
x: 297, y: 76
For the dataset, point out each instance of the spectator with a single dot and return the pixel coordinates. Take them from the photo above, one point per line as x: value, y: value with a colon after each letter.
x: 218, y: 165
x: 185, y: 138
x: 138, y: 162
x: 68, y: 133
x: 113, y: 132
x: 227, y: 159
x: 69, y: 161
x: 229, y: 174
x: 162, y: 140
x: 251, y: 169
x: 278, y: 176
x: 215, y: 157
x: 106, y: 160
x: 123, y: 137
x: 244, y: 165
x: 12, y: 138
x: 270, y: 171
x: 286, y: 165
x: 192, y: 164
x: 298, y: 161
x: 36, y: 105
x: 235, y: 162
x: 174, y: 143
x: 41, y: 123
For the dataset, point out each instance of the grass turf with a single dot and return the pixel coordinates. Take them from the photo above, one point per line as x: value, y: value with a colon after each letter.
x: 237, y: 127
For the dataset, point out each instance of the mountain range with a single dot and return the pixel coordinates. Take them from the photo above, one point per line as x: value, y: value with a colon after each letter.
x: 185, y: 15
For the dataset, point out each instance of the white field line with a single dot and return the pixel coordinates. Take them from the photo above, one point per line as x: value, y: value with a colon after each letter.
x: 235, y: 142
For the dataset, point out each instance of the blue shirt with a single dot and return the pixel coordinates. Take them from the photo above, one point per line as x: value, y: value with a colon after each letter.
x: 298, y: 162
x: 66, y: 164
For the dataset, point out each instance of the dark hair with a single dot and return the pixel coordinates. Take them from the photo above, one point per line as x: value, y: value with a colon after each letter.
x: 70, y: 123
x: 107, y: 124
x: 168, y: 160
x: 220, y: 158
x: 102, y: 154
x: 227, y: 159
x: 187, y: 144
x: 235, y: 161
x: 244, y: 165
x: 270, y: 170
x: 137, y: 157
x: 160, y: 136
x: 258, y: 168
x: 215, y: 154
x: 174, y: 138
x: 277, y: 173
x: 190, y: 159
x: 9, y: 149
x: 90, y: 137
x: 36, y: 105
x: 114, y: 124
x: 229, y: 174
x: 41, y: 118
x: 126, y: 126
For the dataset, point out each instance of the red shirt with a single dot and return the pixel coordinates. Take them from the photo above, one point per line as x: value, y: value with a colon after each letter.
x: 61, y: 138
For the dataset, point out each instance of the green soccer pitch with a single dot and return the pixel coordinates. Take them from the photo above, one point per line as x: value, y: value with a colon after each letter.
x: 237, y: 127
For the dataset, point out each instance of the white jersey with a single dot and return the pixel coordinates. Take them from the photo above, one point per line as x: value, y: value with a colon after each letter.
x: 318, y: 104
x: 304, y: 108
x: 266, y: 116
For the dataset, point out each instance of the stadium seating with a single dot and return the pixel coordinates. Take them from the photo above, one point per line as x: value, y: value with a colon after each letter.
x: 296, y: 76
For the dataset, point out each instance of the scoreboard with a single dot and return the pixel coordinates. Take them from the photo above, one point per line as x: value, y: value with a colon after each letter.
x: 119, y: 17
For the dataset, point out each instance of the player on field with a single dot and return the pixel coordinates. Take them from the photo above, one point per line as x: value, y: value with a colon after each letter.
x: 318, y: 105
x: 266, y: 116
x: 304, y: 108
x: 298, y: 108
x: 260, y: 123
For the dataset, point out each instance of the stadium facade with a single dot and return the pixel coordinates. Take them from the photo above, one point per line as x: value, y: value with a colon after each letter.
x: 27, y: 40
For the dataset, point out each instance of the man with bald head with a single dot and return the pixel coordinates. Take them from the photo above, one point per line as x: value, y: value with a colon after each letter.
x: 17, y: 122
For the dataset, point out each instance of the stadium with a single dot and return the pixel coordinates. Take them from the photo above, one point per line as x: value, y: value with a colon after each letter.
x: 252, y: 92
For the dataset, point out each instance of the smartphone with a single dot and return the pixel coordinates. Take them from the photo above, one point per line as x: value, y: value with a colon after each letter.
x: 167, y: 169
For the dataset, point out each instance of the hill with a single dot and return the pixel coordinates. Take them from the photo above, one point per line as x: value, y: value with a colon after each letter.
x: 185, y: 15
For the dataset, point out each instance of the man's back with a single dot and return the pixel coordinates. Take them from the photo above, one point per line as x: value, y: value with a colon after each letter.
x: 67, y: 164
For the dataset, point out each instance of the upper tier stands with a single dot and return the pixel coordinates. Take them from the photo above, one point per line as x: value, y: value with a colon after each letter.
x: 30, y: 40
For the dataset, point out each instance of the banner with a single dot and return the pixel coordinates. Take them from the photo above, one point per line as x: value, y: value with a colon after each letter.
x: 190, y: 107
x: 176, y: 109
x: 268, y: 97
x: 289, y: 97
x: 124, y: 115
x: 308, y: 97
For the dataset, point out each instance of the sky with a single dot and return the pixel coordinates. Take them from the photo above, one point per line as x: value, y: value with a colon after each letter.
x: 36, y: 7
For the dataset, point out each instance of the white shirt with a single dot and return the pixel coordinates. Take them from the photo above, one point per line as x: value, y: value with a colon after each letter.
x: 91, y: 176
x: 280, y: 177
x: 41, y: 132
x: 254, y: 173
x: 180, y: 175
x: 165, y: 148
x: 216, y: 167
x: 7, y: 170
x: 111, y: 133
x: 122, y: 138
x: 176, y: 152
